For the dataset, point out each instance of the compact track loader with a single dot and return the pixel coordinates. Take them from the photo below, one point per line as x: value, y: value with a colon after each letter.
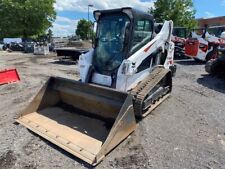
x: 125, y: 76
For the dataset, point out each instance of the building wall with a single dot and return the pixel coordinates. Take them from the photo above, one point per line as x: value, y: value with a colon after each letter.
x: 218, y: 21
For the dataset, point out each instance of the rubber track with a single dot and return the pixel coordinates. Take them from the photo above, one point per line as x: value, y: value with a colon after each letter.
x: 145, y: 87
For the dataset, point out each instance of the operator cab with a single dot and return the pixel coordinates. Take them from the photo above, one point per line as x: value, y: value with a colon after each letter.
x: 120, y: 33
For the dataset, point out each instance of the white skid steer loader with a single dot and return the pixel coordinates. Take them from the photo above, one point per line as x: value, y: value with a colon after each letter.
x: 125, y: 76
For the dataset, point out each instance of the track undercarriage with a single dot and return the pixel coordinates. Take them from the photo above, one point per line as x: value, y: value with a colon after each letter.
x: 152, y: 91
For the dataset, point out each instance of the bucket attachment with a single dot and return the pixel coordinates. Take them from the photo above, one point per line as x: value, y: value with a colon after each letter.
x: 86, y: 120
x: 8, y: 76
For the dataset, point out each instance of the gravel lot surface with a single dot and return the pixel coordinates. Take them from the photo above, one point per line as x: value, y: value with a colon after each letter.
x: 186, y: 131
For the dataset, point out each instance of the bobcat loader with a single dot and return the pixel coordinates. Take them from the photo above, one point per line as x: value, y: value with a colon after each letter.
x: 125, y: 76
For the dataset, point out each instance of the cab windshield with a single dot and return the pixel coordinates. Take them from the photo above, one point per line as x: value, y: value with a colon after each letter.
x: 110, y: 42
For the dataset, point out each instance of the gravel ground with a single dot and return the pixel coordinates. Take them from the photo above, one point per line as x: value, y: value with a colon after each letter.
x: 186, y: 131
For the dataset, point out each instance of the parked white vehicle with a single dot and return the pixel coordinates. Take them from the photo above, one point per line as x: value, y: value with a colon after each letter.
x: 12, y: 40
x: 41, y: 49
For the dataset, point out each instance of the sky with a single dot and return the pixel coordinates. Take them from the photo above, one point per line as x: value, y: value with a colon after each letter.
x: 69, y: 12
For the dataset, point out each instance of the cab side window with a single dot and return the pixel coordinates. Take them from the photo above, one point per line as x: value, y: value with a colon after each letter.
x: 142, y: 34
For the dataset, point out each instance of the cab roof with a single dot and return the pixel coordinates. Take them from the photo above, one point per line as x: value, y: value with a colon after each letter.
x: 131, y: 12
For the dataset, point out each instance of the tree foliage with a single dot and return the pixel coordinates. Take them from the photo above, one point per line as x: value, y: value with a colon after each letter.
x: 180, y: 11
x: 25, y: 18
x: 84, y: 29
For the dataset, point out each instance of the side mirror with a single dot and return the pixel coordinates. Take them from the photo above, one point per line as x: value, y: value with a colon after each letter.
x: 94, y: 39
x: 95, y: 27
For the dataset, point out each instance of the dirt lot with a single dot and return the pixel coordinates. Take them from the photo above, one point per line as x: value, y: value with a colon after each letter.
x: 186, y: 131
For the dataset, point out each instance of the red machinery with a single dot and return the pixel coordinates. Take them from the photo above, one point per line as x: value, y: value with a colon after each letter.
x: 203, y: 47
x: 217, y: 66
x: 9, y: 76
x: 179, y: 39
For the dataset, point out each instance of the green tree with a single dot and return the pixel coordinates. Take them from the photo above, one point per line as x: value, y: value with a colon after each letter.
x: 84, y: 29
x: 26, y: 18
x: 182, y: 12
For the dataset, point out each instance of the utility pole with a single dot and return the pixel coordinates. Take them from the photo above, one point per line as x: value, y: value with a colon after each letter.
x: 88, y: 33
